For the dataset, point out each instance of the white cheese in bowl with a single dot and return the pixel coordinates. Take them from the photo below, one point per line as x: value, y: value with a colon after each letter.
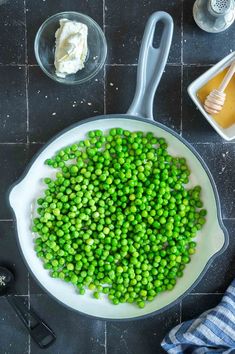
x: 71, y: 47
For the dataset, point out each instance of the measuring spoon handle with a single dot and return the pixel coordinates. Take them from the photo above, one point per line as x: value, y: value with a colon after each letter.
x: 37, y: 328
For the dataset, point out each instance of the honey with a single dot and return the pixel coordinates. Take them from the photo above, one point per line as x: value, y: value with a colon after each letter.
x: 226, y: 117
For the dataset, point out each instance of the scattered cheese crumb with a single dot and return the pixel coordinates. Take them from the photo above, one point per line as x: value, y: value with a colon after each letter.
x: 89, y: 103
x: 111, y: 84
x: 222, y: 170
x: 54, y: 113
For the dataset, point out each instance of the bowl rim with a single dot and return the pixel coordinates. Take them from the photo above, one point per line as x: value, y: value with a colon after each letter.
x: 62, y: 80
x: 217, y: 202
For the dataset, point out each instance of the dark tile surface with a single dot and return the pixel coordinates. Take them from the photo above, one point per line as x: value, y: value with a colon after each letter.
x: 13, y: 159
x: 201, y: 47
x: 75, y: 333
x: 221, y: 162
x: 125, y: 22
x: 167, y: 104
x: 60, y: 105
x: 10, y: 257
x: 13, y: 117
x: 195, y: 127
x: 47, y: 8
x: 34, y: 287
x: 51, y: 107
x: 204, y: 303
x: 143, y: 336
x: 14, y: 337
x: 12, y: 29
x: 120, y: 89
x: 224, y: 164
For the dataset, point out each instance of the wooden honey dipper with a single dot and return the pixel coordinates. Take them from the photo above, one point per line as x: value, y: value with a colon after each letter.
x: 215, y: 100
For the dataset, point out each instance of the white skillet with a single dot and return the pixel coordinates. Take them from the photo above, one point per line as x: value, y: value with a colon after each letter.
x: 213, y: 238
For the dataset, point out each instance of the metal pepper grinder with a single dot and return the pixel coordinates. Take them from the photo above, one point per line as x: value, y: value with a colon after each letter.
x: 214, y: 15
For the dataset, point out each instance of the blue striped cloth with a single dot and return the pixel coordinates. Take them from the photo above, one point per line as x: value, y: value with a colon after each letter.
x: 213, y: 332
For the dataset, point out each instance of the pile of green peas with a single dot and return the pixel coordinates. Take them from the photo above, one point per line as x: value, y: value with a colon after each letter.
x: 117, y: 218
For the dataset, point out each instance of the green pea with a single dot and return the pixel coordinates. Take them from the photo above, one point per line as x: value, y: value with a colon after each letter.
x: 117, y: 217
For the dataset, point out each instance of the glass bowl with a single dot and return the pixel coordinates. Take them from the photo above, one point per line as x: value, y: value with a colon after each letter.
x: 44, y: 47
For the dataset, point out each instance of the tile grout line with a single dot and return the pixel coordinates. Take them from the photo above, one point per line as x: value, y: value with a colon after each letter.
x: 196, y: 65
x: 104, y: 74
x: 24, y: 143
x: 105, y: 338
x: 25, y: 35
x: 13, y: 143
x: 38, y: 142
x: 121, y: 65
x: 181, y: 99
x: 181, y: 68
x: 105, y: 108
x: 29, y: 344
x: 27, y: 140
x: 13, y: 64
x: 104, y: 7
x: 17, y: 295
x: 29, y: 305
x: 190, y: 65
x: 26, y: 76
x: 203, y: 294
x: 168, y: 64
x: 222, y: 143
x: 182, y: 33
x: 27, y: 104
x: 180, y: 311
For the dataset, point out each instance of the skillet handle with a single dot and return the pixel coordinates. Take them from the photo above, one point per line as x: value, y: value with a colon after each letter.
x: 151, y: 65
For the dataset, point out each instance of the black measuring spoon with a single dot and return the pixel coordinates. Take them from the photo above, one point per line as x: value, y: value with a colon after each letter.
x: 38, y: 329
